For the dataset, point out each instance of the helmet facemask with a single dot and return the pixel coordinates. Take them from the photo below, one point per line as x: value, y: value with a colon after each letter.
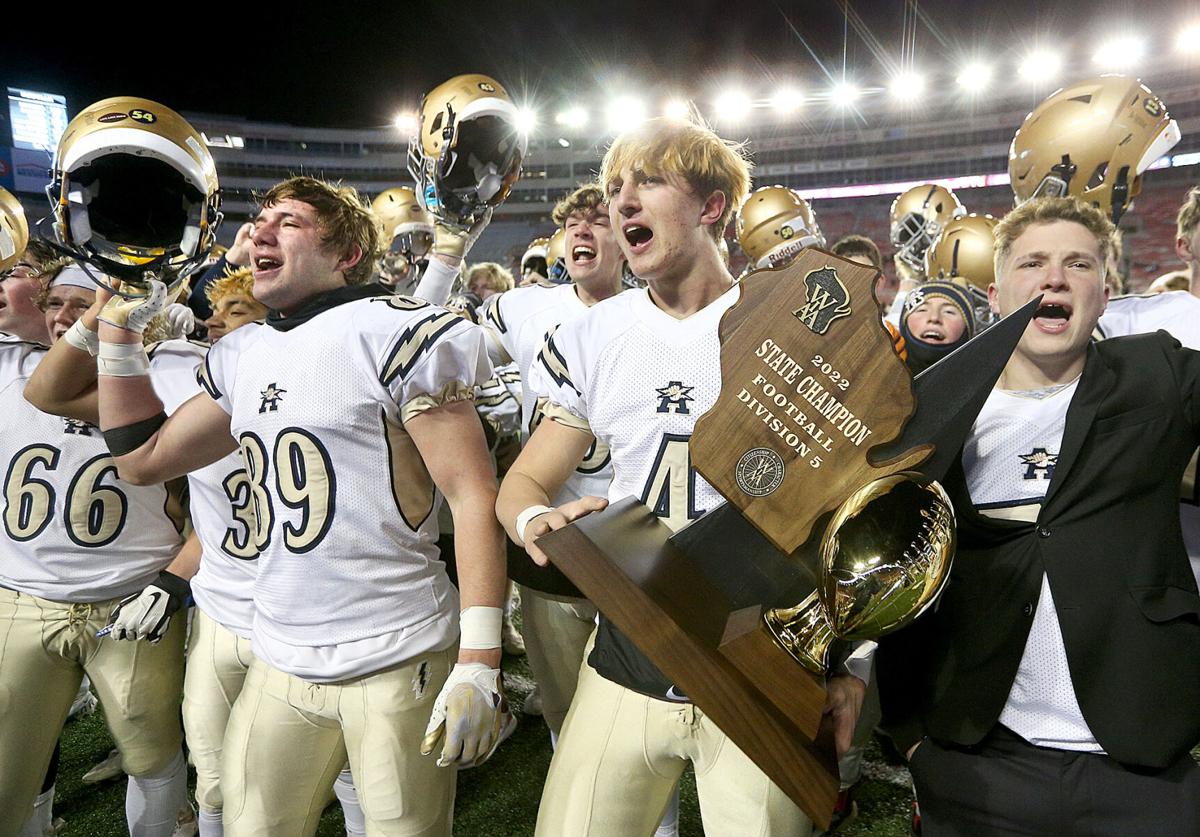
x: 134, y: 217
x: 479, y: 160
x: 912, y: 236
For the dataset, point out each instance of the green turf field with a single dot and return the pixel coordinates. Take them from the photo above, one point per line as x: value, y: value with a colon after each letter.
x: 498, y: 799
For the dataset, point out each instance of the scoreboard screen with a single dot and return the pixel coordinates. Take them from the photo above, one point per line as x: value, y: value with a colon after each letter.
x: 37, y: 119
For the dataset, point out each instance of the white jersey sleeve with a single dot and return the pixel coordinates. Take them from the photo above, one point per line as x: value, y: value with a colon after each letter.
x: 492, y: 317
x: 562, y: 375
x: 436, y: 356
x: 1176, y: 312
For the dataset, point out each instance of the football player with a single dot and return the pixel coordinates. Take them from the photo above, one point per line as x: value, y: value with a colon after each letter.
x: 533, y: 262
x: 917, y: 216
x: 1187, y: 238
x: 77, y: 541
x: 233, y: 303
x: 408, y: 230
x: 345, y: 388
x: 962, y: 254
x: 557, y: 630
x: 20, y: 265
x: 634, y: 372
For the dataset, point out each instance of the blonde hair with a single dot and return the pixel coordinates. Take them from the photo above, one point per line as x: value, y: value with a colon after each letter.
x: 587, y: 198
x: 692, y: 152
x: 345, y: 220
x: 497, y: 278
x: 1046, y: 211
x: 1189, y: 213
x: 239, y: 281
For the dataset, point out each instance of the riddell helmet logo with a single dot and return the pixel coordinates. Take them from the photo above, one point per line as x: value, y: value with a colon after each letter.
x: 827, y: 300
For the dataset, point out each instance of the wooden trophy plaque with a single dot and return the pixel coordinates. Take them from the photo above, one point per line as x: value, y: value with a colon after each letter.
x: 810, y: 383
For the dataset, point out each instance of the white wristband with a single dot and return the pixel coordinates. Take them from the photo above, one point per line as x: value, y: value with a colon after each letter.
x: 122, y: 360
x: 480, y: 628
x: 524, y: 517
x: 83, y: 338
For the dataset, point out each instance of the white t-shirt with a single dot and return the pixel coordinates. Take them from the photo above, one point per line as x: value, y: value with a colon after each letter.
x: 1009, y: 460
x: 72, y: 531
x: 350, y: 580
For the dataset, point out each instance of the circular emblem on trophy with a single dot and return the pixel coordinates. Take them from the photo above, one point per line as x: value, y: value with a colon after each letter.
x: 759, y: 472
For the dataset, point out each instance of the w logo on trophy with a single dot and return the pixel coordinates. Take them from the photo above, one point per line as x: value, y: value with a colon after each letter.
x: 827, y: 300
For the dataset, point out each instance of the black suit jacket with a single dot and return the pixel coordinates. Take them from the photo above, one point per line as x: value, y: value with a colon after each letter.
x: 1108, y: 539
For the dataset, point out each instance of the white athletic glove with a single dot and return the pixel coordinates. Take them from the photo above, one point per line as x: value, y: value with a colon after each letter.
x: 181, y: 319
x: 134, y: 313
x: 470, y: 717
x: 455, y: 241
x: 147, y: 615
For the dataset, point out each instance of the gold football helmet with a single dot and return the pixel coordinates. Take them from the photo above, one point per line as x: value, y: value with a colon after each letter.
x: 134, y: 191
x: 467, y: 152
x: 535, y: 257
x: 404, y: 223
x: 14, y: 231
x: 962, y: 252
x: 556, y: 257
x: 774, y: 224
x: 917, y: 217
x: 1094, y: 140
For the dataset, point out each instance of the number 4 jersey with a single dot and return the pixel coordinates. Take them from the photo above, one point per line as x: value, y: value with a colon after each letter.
x: 73, y: 532
x: 349, y: 580
x: 637, y: 379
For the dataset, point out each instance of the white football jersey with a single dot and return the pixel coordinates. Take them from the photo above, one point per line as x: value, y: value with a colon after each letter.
x: 350, y: 579
x: 499, y: 400
x: 519, y: 321
x: 73, y: 532
x: 219, y: 502
x: 637, y: 378
x: 1176, y: 312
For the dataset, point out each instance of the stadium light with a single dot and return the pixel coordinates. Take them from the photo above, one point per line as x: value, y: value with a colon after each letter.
x: 907, y: 86
x: 405, y: 122
x: 1119, y: 53
x: 572, y: 117
x: 624, y: 113
x: 677, y: 109
x: 787, y: 100
x: 732, y: 106
x: 1188, y: 40
x: 1039, y: 65
x: 527, y: 120
x: 844, y: 94
x: 974, y: 77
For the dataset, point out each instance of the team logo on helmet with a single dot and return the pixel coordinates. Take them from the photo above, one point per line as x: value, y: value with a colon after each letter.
x: 827, y: 300
x: 759, y: 472
x: 1154, y: 106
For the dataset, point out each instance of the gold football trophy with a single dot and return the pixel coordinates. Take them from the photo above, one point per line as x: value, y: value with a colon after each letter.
x: 884, y: 558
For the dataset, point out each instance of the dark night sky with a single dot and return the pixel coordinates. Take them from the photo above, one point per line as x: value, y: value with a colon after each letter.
x: 279, y: 61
